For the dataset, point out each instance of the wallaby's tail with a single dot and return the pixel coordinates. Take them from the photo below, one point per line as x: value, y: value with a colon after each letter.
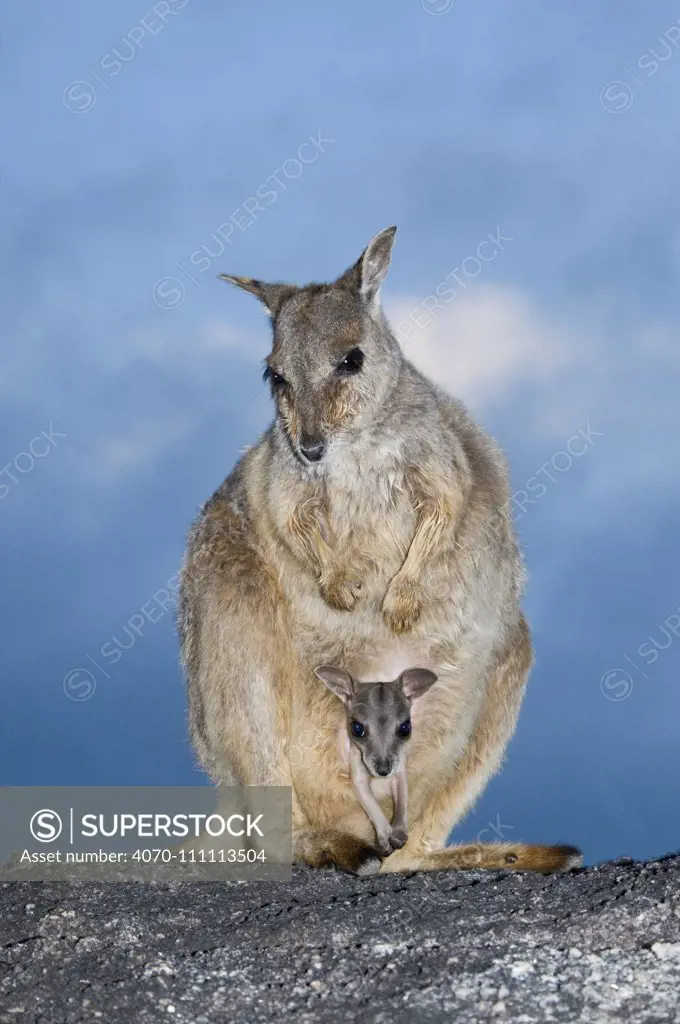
x: 491, y: 856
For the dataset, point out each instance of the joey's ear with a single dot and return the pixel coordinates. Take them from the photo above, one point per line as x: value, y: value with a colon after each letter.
x: 416, y: 682
x: 337, y: 680
x: 271, y: 295
x: 369, y: 272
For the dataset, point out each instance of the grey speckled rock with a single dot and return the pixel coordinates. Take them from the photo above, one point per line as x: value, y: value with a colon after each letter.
x: 601, y: 944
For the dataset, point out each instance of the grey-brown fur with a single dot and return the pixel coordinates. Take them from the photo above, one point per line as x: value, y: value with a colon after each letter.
x: 395, y: 548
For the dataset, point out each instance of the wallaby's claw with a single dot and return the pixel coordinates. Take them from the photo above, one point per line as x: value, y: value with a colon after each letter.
x: 402, y: 604
x: 398, y: 837
x: 340, y: 590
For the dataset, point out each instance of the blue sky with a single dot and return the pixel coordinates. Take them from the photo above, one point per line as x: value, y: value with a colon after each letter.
x: 139, y: 137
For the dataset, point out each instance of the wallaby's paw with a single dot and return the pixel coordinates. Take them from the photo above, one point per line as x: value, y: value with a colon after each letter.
x: 327, y: 848
x: 401, y: 859
x: 384, y: 842
x: 370, y: 866
x: 355, y: 856
x: 384, y: 848
x: 402, y: 604
x: 341, y: 590
x: 365, y: 860
x: 398, y: 837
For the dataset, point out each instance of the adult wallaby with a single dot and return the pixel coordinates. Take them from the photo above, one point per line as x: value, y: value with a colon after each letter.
x: 369, y: 528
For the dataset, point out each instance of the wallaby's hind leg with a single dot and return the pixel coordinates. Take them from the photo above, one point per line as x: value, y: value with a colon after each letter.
x: 425, y: 850
x: 241, y: 672
x: 325, y: 847
x: 239, y: 668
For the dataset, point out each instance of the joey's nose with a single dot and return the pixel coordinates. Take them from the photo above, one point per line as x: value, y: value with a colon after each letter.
x: 312, y: 450
x: 383, y: 767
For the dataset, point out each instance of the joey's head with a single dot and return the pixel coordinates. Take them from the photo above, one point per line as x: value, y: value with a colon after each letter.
x: 333, y: 360
x: 378, y: 714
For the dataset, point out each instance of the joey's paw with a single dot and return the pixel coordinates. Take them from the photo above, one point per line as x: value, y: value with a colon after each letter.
x: 341, y: 589
x: 402, y: 604
x: 384, y: 844
x: 398, y: 837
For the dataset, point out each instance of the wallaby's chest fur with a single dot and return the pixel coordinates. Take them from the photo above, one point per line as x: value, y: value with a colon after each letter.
x: 367, y: 509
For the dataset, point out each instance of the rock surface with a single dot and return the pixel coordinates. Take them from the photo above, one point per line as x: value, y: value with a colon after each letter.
x: 600, y: 944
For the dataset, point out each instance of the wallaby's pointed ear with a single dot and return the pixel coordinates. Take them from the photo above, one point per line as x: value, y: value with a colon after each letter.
x: 271, y: 295
x: 337, y: 680
x: 416, y: 682
x: 368, y: 273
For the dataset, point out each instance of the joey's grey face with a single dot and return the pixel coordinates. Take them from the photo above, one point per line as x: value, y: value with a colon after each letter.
x: 333, y: 357
x: 379, y: 724
x: 378, y: 714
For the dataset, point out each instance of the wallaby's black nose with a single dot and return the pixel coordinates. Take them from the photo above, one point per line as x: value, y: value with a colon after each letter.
x: 312, y: 450
x: 383, y: 767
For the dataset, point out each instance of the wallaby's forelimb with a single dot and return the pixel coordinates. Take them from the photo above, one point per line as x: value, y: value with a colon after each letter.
x: 400, y: 796
x: 361, y: 781
x: 310, y: 532
x: 439, y: 501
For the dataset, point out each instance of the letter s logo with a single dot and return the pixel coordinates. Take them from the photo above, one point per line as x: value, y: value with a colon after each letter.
x: 46, y: 825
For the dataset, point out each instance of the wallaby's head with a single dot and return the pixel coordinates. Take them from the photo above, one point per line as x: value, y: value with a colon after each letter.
x: 334, y: 360
x: 378, y: 714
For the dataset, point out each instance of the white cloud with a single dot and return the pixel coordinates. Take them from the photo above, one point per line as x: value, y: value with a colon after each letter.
x: 495, y: 349
x: 482, y: 345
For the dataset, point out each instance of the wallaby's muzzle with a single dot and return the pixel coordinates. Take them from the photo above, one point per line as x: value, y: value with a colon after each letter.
x: 312, y: 449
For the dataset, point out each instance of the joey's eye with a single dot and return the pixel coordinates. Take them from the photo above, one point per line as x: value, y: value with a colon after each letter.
x: 352, y: 362
x: 275, y: 379
x: 404, y: 729
x: 358, y: 729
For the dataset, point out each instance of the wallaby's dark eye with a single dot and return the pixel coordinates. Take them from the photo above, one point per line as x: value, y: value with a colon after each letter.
x: 275, y: 379
x: 352, y: 362
x: 405, y: 729
x: 358, y: 729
